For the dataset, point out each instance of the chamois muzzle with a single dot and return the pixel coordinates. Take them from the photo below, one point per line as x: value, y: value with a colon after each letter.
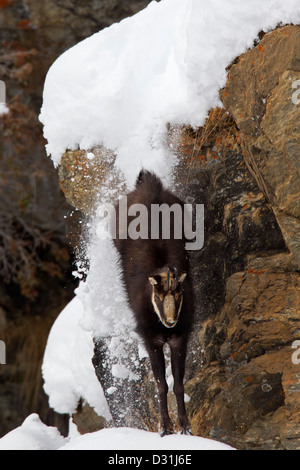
x: 167, y: 295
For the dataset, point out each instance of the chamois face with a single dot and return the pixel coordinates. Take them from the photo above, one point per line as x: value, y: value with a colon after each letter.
x: 167, y: 295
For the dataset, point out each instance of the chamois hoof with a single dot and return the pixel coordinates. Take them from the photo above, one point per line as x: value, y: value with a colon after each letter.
x: 186, y: 431
x: 166, y: 432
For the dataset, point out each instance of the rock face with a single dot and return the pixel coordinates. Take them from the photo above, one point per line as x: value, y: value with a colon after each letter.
x: 86, y: 176
x: 242, y: 376
x: 261, y: 94
x: 248, y: 387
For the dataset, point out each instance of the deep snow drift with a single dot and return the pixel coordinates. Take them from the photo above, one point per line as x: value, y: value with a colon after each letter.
x: 32, y: 435
x: 67, y: 367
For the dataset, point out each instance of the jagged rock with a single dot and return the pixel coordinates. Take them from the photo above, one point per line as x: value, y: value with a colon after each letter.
x: 260, y: 93
x: 87, y: 420
x: 247, y: 349
x: 247, y: 390
x: 85, y: 177
x: 132, y: 402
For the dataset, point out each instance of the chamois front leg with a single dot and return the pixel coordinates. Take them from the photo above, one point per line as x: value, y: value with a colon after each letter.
x: 157, y: 360
x: 178, y: 356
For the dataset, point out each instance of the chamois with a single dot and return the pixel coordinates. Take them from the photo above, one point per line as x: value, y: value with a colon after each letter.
x: 157, y: 280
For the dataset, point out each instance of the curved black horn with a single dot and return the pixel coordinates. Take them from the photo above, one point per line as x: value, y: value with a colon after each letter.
x: 168, y: 278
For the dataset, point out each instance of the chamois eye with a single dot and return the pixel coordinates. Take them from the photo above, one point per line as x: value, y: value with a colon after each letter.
x: 159, y: 297
x: 178, y: 295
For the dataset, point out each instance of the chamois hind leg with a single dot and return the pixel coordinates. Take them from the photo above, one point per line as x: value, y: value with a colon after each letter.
x: 157, y: 360
x: 178, y: 356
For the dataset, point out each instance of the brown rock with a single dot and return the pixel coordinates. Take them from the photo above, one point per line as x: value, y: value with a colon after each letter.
x: 245, y: 390
x: 254, y: 375
x: 87, y: 420
x: 86, y: 176
x: 260, y: 95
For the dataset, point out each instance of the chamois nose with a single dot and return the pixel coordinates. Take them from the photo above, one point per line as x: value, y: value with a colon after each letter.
x: 171, y: 323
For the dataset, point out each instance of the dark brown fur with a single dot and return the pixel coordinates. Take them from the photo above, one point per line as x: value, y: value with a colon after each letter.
x: 143, y: 258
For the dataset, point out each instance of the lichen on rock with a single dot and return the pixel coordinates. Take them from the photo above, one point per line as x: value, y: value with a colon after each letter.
x: 85, y: 177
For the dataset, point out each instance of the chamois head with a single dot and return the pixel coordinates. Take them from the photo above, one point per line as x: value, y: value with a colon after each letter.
x: 167, y: 295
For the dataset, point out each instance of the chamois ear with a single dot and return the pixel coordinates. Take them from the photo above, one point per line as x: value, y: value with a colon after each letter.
x: 182, y: 277
x: 152, y: 281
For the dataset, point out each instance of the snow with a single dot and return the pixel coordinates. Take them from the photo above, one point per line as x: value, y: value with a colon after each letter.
x: 106, y: 312
x: 165, y: 64
x: 106, y: 317
x: 35, y: 435
x: 67, y: 369
x: 134, y: 439
x: 32, y: 435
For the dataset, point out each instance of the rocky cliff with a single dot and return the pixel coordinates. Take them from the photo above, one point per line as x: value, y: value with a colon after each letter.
x: 243, y: 165
x: 248, y: 385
